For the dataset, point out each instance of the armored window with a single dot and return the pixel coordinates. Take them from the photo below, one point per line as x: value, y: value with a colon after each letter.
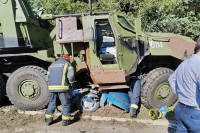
x: 123, y: 22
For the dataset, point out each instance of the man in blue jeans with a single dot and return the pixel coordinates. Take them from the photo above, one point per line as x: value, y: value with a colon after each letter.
x: 185, y: 82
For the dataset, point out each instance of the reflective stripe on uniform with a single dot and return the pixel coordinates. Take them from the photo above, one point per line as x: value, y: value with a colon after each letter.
x: 48, y: 115
x: 70, y: 67
x: 63, y: 76
x: 58, y: 87
x: 66, y: 117
x: 134, y: 106
x: 71, y: 82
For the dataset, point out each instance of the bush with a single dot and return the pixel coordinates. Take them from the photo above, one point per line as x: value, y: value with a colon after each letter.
x: 180, y: 16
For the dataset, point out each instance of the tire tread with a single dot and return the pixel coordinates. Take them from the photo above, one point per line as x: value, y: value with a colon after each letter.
x: 42, y: 72
x: 147, y: 85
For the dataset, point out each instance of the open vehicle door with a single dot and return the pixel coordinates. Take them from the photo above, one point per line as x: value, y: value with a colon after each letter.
x: 127, y: 45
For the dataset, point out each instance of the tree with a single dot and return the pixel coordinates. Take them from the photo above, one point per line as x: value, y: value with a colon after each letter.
x: 175, y: 16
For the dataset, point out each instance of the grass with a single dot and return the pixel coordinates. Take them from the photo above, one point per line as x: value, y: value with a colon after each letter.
x: 112, y: 122
x: 3, y: 125
x: 23, y: 122
x: 170, y: 113
x: 13, y: 111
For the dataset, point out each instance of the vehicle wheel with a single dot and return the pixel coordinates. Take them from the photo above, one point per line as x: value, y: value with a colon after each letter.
x: 143, y: 79
x: 2, y: 88
x: 27, y: 88
x: 88, y: 102
x: 156, y: 90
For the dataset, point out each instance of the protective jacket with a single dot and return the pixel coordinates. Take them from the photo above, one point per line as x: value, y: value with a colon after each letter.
x: 61, y: 76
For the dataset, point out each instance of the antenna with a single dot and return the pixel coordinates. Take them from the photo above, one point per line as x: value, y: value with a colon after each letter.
x: 90, y: 6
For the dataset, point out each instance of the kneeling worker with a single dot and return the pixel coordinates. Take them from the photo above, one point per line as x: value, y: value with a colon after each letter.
x: 134, y: 94
x: 61, y: 78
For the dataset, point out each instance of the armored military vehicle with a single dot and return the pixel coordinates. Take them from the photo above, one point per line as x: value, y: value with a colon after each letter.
x: 105, y: 48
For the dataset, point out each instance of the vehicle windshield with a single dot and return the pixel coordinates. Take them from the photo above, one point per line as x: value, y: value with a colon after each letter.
x: 125, y: 23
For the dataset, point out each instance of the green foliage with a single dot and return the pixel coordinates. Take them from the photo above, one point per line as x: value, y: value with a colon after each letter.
x: 13, y: 111
x: 3, y: 125
x: 65, y: 6
x: 36, y: 4
x: 175, y: 16
x: 170, y: 113
x: 181, y: 17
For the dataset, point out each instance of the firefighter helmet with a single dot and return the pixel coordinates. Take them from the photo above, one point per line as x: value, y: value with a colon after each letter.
x: 65, y: 56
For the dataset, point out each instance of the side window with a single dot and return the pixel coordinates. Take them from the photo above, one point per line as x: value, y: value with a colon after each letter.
x: 105, y: 42
x: 124, y: 23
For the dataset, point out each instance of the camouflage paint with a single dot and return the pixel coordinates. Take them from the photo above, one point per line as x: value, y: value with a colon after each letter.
x: 67, y: 31
x: 27, y: 27
x: 100, y: 74
x: 40, y: 54
x: 167, y: 44
x: 21, y: 24
x: 127, y: 58
x: 159, y: 45
x: 110, y: 67
x: 80, y: 66
x: 8, y: 23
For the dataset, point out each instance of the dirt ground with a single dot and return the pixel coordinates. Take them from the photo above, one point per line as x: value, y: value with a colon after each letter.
x: 20, y: 123
x: 112, y: 111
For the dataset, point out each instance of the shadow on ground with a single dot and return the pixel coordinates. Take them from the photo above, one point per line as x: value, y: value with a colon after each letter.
x: 171, y: 119
x: 75, y: 114
x: 77, y: 118
x: 5, y: 102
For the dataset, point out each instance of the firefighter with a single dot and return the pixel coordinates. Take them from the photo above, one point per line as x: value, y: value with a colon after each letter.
x: 134, y: 94
x: 61, y: 79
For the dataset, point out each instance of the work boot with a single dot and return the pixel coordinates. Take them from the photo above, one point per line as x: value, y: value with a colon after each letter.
x: 65, y: 122
x: 133, y: 112
x: 48, y: 121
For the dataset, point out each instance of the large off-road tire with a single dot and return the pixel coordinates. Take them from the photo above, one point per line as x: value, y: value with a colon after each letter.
x: 2, y: 88
x: 88, y: 102
x: 156, y: 90
x: 27, y: 88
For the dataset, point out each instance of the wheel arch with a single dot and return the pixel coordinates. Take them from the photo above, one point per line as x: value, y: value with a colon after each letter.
x: 10, y: 63
x: 152, y: 62
x: 149, y: 66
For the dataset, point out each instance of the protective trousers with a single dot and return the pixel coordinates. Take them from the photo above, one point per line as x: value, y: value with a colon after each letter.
x: 134, y: 94
x: 65, y: 99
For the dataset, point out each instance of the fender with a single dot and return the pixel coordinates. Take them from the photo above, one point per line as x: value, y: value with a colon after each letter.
x: 167, y: 44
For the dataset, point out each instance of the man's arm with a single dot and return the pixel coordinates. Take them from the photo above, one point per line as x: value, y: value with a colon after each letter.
x: 70, y: 74
x: 172, y: 82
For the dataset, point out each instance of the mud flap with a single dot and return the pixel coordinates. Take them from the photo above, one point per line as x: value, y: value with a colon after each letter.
x: 119, y: 99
